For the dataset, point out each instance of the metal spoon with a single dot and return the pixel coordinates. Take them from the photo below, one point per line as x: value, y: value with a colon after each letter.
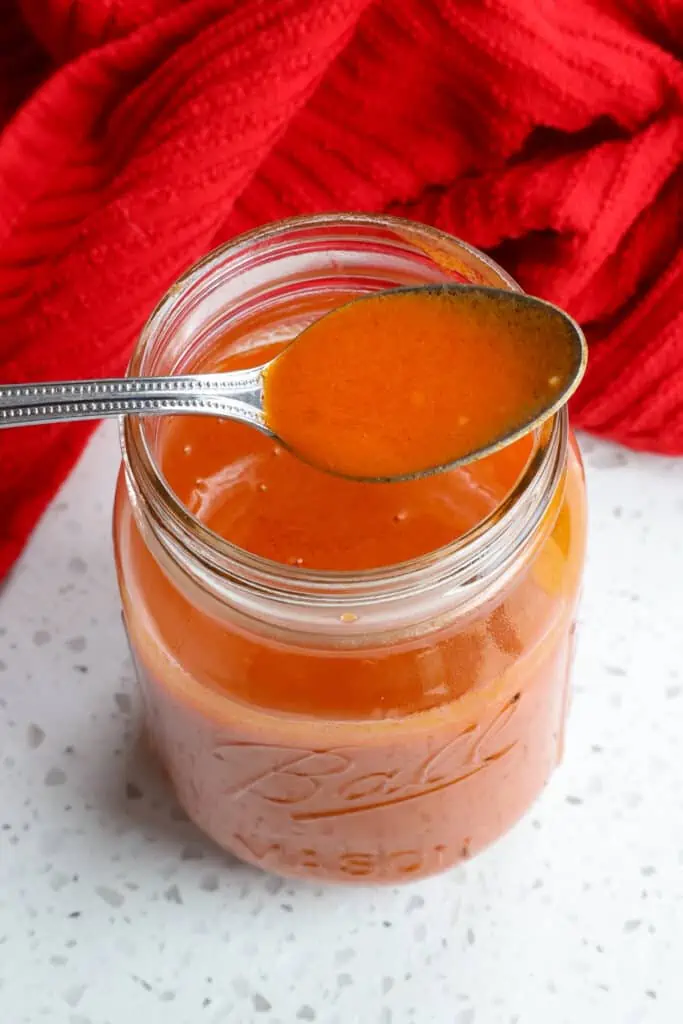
x: 239, y: 395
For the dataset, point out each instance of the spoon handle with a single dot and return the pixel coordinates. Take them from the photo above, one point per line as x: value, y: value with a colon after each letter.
x: 234, y: 395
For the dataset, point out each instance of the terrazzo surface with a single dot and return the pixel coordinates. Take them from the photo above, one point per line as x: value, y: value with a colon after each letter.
x: 114, y: 910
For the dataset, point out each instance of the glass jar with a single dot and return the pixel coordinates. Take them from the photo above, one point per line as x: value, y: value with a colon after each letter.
x: 442, y: 680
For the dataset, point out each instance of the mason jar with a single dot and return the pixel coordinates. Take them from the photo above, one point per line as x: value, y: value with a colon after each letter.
x: 372, y: 724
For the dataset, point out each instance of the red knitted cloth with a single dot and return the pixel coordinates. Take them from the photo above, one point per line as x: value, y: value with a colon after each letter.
x: 137, y: 134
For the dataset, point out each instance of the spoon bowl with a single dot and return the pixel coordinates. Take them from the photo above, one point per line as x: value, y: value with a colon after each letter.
x: 410, y: 390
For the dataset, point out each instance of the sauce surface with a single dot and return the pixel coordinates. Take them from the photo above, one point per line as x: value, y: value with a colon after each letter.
x: 253, y: 492
x: 406, y: 382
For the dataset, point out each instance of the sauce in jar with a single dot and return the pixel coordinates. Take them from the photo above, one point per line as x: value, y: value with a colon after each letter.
x: 349, y: 681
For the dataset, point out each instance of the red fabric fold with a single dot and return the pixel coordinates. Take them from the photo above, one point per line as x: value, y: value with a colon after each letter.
x: 137, y: 134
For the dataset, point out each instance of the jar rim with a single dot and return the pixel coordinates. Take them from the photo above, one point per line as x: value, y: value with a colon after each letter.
x: 183, y: 532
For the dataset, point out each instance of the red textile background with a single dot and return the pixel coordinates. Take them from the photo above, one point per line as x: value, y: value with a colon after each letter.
x: 137, y: 134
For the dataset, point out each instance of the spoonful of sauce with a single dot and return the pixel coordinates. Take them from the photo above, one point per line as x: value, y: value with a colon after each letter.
x: 389, y: 386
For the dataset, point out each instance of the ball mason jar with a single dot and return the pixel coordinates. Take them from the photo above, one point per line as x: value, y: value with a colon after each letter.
x: 442, y: 681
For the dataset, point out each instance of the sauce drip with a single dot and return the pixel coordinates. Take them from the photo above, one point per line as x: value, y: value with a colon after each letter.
x: 407, y: 382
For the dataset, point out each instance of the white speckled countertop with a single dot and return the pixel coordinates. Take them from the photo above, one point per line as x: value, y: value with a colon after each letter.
x: 114, y: 910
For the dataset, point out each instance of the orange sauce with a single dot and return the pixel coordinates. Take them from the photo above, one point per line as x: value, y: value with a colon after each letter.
x: 401, y: 383
x: 383, y: 758
x: 252, y: 491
